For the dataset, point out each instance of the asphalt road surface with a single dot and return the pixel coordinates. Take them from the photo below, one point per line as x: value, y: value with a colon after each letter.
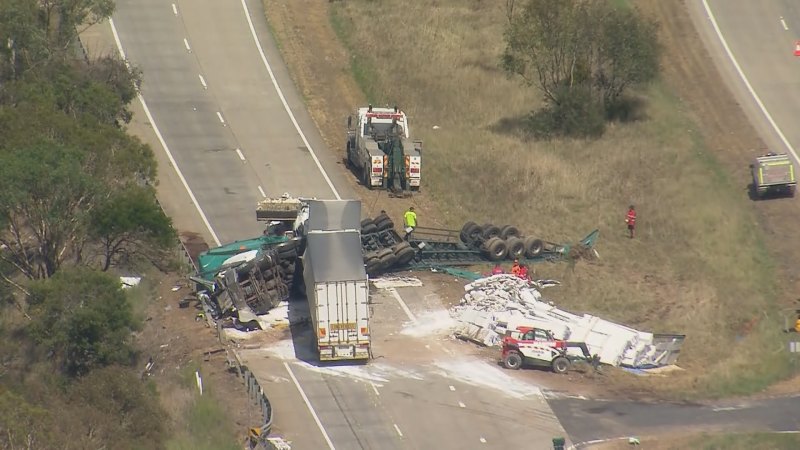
x: 208, y: 84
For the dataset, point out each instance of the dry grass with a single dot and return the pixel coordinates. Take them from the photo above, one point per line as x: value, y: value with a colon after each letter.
x: 698, y: 265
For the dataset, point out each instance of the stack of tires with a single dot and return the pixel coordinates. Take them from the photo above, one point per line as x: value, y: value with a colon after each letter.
x: 389, y: 253
x: 498, y: 243
x: 379, y: 261
x: 376, y: 225
x: 266, y: 269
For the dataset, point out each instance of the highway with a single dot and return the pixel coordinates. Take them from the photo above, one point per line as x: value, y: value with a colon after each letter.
x: 226, y: 116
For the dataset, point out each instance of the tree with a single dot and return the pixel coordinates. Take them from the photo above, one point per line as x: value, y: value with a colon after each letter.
x: 37, y: 32
x: 130, y: 222
x: 83, y: 319
x: 46, y: 196
x: 566, y: 48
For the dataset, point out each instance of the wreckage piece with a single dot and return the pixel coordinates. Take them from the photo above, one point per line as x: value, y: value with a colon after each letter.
x: 494, y: 305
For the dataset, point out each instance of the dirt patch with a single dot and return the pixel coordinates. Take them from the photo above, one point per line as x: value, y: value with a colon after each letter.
x: 179, y: 341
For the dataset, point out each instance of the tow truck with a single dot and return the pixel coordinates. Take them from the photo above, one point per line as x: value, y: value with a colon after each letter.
x: 538, y: 347
x: 380, y: 150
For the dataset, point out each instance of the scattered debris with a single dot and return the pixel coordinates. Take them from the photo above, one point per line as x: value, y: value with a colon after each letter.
x: 129, y: 282
x: 396, y: 282
x: 278, y: 443
x: 199, y: 381
x: 498, y: 303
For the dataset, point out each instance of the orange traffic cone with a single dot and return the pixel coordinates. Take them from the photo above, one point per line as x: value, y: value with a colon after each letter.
x: 797, y: 48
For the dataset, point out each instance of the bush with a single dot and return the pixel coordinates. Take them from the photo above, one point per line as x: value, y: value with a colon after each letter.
x: 577, y: 114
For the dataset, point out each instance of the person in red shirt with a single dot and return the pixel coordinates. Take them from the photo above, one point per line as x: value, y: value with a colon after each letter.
x: 498, y: 269
x: 630, y: 219
x: 515, y: 268
x: 523, y: 272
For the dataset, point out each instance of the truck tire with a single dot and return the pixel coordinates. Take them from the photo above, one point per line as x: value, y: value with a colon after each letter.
x: 561, y: 365
x: 366, y: 222
x: 388, y: 261
x: 516, y: 248
x: 383, y: 252
x: 513, y: 361
x: 491, y: 231
x: 373, y: 267
x: 405, y: 256
x: 384, y: 222
x: 533, y: 247
x: 508, y: 231
x: 496, y: 249
x: 469, y: 232
x: 371, y: 228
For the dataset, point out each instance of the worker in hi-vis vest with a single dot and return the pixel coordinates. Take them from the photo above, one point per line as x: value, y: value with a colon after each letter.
x: 410, y: 219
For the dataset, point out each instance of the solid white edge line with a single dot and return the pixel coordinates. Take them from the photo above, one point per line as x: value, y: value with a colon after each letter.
x: 747, y: 82
x: 163, y: 142
x: 261, y: 190
x: 403, y: 305
x: 241, y: 155
x: 308, y: 405
x: 396, y: 428
x: 285, y: 103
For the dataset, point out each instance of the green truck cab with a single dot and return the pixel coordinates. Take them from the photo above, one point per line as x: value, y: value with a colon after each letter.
x: 773, y: 174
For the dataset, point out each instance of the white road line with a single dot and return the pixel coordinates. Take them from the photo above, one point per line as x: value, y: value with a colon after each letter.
x: 783, y: 22
x: 311, y: 408
x: 462, y: 405
x: 483, y: 440
x: 221, y: 120
x: 241, y: 155
x: 261, y: 190
x: 203, y: 81
x: 452, y: 388
x: 747, y: 82
x: 398, y: 430
x: 285, y: 104
x: 164, y: 143
x: 174, y: 9
x: 403, y: 305
x: 186, y: 44
x: 375, y: 388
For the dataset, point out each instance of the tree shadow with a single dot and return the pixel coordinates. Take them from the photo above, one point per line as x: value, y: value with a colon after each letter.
x: 627, y: 109
x: 516, y: 126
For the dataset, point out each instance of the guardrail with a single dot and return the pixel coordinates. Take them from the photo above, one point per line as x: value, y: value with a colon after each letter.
x: 254, y: 391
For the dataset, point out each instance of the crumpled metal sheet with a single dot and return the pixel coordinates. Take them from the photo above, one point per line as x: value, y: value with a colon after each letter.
x: 498, y: 303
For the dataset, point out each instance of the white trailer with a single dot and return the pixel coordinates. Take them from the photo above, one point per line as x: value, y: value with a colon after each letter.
x: 336, y: 282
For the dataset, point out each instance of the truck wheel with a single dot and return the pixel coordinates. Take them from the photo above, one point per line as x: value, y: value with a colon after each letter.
x: 513, y: 361
x: 516, y: 248
x: 508, y: 231
x: 469, y: 232
x: 366, y: 222
x: 496, y: 249
x: 383, y: 252
x: 405, y: 255
x: 372, y: 266
x: 388, y: 261
x: 383, y: 222
x: 371, y: 228
x: 491, y: 231
x: 560, y: 365
x: 533, y: 247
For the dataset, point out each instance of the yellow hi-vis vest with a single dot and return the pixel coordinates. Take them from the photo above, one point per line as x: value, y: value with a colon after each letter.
x: 410, y: 218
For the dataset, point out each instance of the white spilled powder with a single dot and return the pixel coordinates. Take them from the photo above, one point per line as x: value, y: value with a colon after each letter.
x: 430, y: 323
x: 282, y: 349
x: 233, y: 333
x: 370, y: 372
x: 479, y: 373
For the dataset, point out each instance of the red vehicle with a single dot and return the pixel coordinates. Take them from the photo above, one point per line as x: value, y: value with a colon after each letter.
x: 538, y: 347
